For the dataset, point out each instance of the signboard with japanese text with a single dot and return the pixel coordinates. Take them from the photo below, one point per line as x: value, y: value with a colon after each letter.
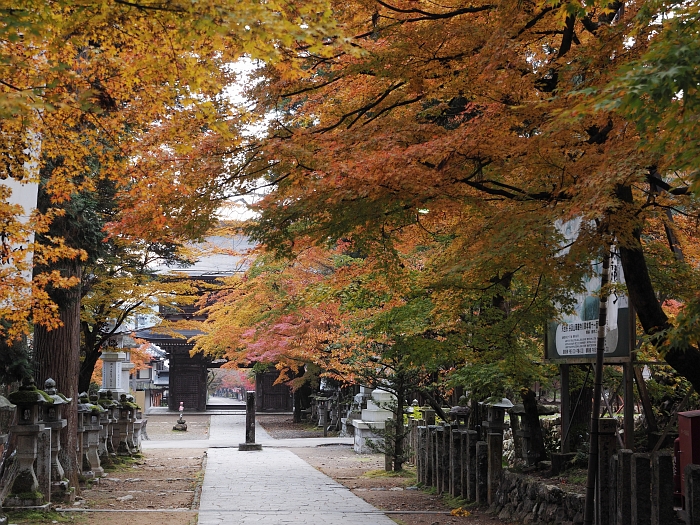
x: 574, y: 337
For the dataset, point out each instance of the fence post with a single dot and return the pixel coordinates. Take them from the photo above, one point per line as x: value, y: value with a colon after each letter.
x: 445, y: 457
x: 455, y: 463
x: 662, y: 488
x: 482, y: 472
x: 607, y: 428
x: 641, y: 489
x: 439, y: 452
x: 495, y: 464
x: 420, y: 450
x: 472, y: 438
x: 624, y: 482
x: 692, y: 494
x: 431, y: 478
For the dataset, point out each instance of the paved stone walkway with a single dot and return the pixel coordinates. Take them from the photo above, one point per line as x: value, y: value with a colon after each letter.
x: 272, y: 486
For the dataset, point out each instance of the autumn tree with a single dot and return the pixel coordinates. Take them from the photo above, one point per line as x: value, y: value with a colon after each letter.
x: 469, y: 115
x: 130, y: 93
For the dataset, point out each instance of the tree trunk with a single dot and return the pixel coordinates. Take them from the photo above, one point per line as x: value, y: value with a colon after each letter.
x: 686, y: 361
x: 87, y: 367
x: 57, y: 356
x: 532, y: 417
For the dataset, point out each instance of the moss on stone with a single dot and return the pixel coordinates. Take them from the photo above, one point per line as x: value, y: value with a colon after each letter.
x: 28, y: 397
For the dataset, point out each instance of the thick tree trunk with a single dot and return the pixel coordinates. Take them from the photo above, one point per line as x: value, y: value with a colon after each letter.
x: 87, y: 367
x: 57, y: 356
x: 532, y: 417
x: 686, y: 361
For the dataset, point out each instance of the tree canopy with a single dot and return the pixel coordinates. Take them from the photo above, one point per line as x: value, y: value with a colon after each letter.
x: 131, y: 93
x: 467, y: 130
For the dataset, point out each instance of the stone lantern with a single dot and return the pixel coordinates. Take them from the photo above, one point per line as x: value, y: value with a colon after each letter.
x: 122, y: 426
x: 53, y: 418
x: 137, y: 424
x: 495, y: 416
x: 25, y: 487
x: 106, y: 447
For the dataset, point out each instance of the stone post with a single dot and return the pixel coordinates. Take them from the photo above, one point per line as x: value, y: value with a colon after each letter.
x: 472, y: 439
x: 456, y: 463
x: 607, y: 427
x: 112, y: 372
x: 445, y: 457
x: 662, y: 511
x: 250, y: 443
x: 624, y: 483
x: 439, y: 454
x: 43, y: 462
x: 692, y: 493
x: 641, y: 489
x: 420, y: 453
x: 413, y: 441
x: 482, y: 472
x: 495, y: 464
x: 431, y: 453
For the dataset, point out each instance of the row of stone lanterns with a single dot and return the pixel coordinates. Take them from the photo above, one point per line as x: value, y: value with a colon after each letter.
x: 106, y: 427
x: 39, y: 419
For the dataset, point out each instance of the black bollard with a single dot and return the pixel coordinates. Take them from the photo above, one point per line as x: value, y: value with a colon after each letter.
x: 250, y: 424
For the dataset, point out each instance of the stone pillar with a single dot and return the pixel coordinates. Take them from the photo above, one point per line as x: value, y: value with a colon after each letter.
x: 641, y: 489
x: 85, y: 466
x: 112, y: 372
x: 662, y: 511
x: 692, y: 493
x: 431, y: 456
x: 420, y: 453
x: 607, y: 428
x: 495, y: 464
x: 413, y: 440
x: 439, y: 454
x: 445, y: 457
x: 44, y: 465
x: 623, y: 488
x: 250, y: 424
x: 472, y: 439
x: 456, y: 463
x: 482, y: 472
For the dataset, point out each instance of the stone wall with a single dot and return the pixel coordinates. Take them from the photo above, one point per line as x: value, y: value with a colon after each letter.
x: 527, y: 500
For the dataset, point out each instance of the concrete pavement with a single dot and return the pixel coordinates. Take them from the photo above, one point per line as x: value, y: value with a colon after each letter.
x: 272, y: 486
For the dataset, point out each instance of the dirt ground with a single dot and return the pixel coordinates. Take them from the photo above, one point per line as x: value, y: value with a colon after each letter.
x: 161, y: 488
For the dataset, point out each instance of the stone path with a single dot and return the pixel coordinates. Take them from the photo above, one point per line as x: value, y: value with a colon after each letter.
x: 272, y: 486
